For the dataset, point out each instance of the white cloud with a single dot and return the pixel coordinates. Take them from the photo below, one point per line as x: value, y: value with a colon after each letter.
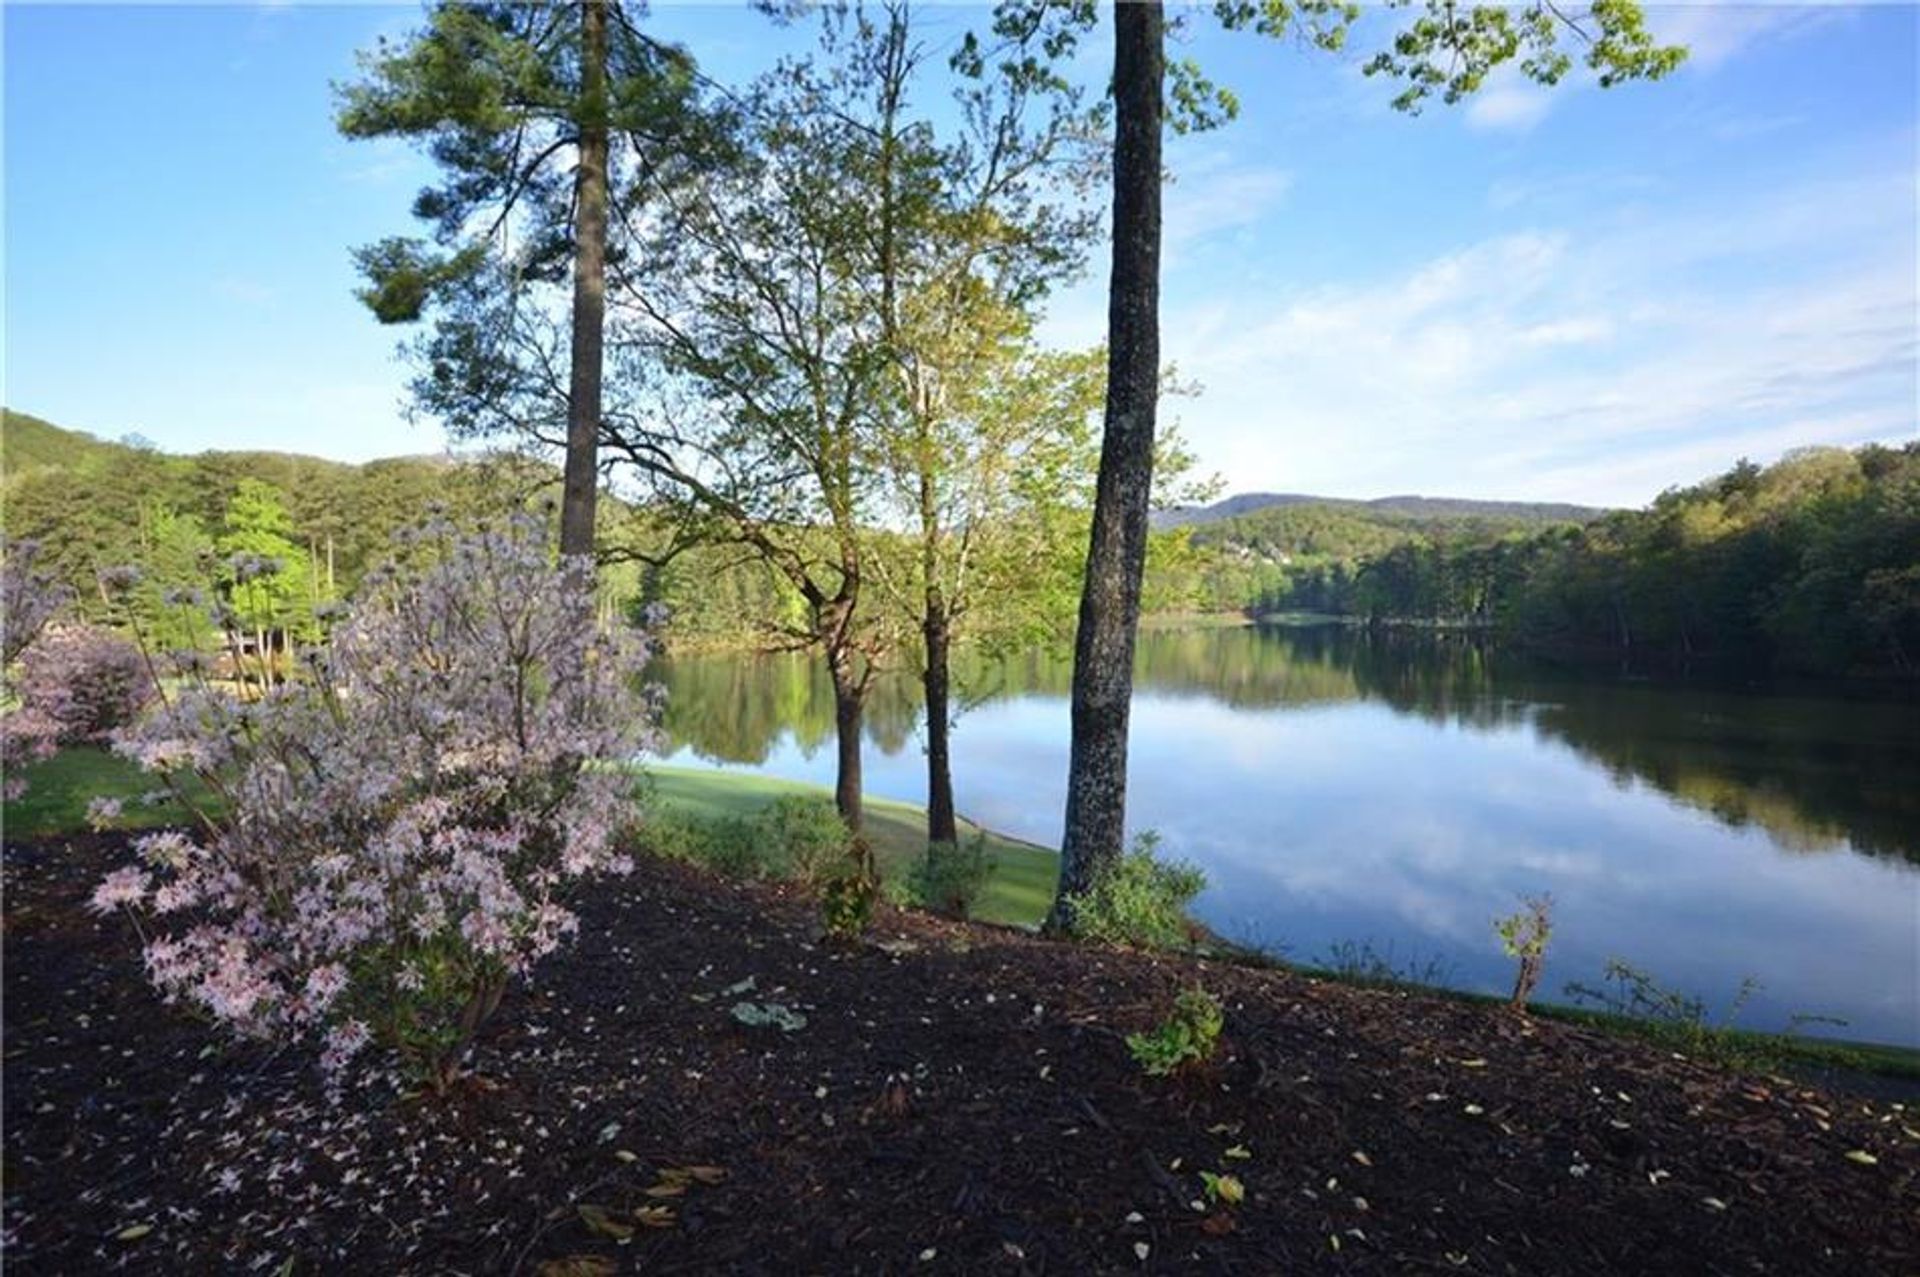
x: 1597, y: 363
x: 1511, y: 105
x: 1211, y: 198
x: 1716, y: 33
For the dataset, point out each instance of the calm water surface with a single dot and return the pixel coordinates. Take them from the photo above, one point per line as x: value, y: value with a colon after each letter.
x: 1403, y: 790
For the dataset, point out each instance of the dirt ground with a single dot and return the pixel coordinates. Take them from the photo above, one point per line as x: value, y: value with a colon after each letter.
x: 959, y: 1100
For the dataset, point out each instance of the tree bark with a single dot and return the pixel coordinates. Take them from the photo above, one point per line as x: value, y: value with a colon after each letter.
x: 942, y: 825
x: 1116, y: 559
x: 849, y: 697
x: 581, y: 483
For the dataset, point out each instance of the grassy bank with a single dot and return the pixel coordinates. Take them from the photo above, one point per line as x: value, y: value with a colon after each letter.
x: 1017, y: 894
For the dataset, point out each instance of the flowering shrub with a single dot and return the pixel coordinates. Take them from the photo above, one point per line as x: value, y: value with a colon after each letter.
x: 398, y: 827
x: 85, y: 681
x: 29, y: 599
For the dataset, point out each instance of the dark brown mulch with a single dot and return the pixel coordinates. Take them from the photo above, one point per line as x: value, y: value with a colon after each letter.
x: 960, y: 1100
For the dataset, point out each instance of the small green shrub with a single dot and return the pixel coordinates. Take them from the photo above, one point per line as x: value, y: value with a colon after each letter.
x: 951, y: 877
x: 1140, y: 900
x: 805, y: 838
x: 729, y: 845
x: 1523, y: 937
x: 847, y: 898
x: 1189, y: 1035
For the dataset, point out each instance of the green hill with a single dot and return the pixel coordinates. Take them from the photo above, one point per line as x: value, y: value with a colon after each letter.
x: 28, y: 443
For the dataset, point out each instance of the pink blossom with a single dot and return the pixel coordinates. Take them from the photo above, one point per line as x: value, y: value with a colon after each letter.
x: 103, y: 812
x: 458, y: 751
x: 126, y: 886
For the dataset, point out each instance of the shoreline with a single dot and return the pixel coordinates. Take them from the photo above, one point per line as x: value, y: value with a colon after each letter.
x: 1017, y: 895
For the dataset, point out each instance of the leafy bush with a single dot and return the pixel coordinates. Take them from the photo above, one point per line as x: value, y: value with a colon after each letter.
x: 731, y: 847
x: 805, y: 837
x: 727, y: 845
x: 847, y: 898
x: 1140, y: 900
x: 1189, y: 1035
x: 399, y: 827
x: 1523, y: 937
x: 85, y: 681
x: 951, y: 877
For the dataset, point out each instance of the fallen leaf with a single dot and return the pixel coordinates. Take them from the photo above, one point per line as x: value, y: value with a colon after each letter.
x: 708, y: 1174
x: 1863, y: 1157
x: 655, y: 1216
x: 626, y: 1155
x: 1362, y: 1158
x: 665, y: 1189
x: 133, y: 1232
x: 596, y: 1218
x: 577, y: 1266
x: 1239, y: 1152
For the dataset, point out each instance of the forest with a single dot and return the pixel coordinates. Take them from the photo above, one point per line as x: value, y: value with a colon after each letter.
x: 1803, y: 567
x: 1806, y: 566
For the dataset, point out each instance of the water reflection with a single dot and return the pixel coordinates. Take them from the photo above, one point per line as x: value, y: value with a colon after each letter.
x: 1339, y: 785
x: 1816, y: 773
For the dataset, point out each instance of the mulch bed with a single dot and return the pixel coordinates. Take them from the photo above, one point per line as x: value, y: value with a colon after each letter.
x: 960, y: 1099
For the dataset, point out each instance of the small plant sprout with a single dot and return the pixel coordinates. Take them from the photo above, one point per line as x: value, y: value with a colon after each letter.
x: 1523, y: 937
x: 1189, y: 1035
x: 1225, y: 1189
x: 847, y: 897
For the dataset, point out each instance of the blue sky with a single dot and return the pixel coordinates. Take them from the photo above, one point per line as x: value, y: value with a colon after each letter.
x: 1577, y: 295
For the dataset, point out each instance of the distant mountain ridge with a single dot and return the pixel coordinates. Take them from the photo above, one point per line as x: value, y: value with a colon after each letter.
x: 1405, y: 506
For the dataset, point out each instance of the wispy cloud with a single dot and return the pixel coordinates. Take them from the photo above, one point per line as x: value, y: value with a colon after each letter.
x: 1213, y: 196
x: 1587, y: 362
x: 1716, y: 33
x: 1511, y: 104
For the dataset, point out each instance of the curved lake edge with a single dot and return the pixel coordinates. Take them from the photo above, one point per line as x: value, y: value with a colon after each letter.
x: 1341, y: 785
x: 1869, y: 1067
x: 61, y: 787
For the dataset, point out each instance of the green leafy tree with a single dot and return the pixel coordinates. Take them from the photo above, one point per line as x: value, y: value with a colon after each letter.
x: 533, y: 111
x: 267, y: 580
x: 1445, y: 50
x: 789, y: 320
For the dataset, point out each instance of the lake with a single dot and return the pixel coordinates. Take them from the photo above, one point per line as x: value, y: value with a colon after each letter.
x: 1401, y: 790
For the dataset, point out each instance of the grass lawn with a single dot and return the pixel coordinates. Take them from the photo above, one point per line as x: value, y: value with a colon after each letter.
x: 1018, y: 893
x: 59, y: 789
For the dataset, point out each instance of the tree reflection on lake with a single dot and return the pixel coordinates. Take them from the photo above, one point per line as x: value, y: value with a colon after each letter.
x: 1340, y: 785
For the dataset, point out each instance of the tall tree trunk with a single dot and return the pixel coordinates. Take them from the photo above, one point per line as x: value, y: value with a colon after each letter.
x: 1116, y: 559
x: 849, y: 696
x: 589, y: 288
x: 942, y: 826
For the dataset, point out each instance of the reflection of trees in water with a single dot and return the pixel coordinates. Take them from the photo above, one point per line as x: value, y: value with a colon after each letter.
x: 735, y: 708
x: 1816, y: 774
